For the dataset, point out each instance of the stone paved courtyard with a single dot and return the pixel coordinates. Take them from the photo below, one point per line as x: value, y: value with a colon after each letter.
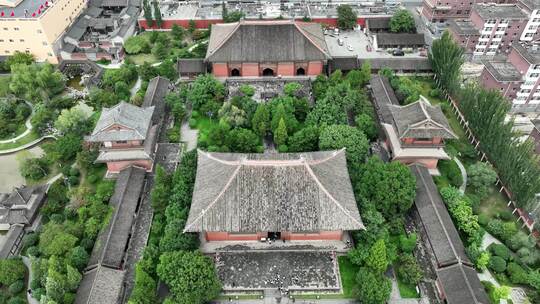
x: 294, y: 270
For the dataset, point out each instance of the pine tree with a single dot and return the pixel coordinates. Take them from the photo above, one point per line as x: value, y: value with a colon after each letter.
x: 148, y: 13
x: 280, y: 137
x: 157, y: 14
x: 261, y: 120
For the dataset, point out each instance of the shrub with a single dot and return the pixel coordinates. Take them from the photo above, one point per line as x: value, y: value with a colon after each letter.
x: 517, y: 274
x: 16, y: 287
x: 497, y: 264
x: 16, y: 300
x: 32, y: 251
x: 435, y: 93
x: 451, y: 171
x: 11, y: 270
x: 505, y: 215
x: 34, y: 168
x: 483, y: 219
x: 409, y: 270
x: 500, y: 250
x: 192, y: 123
x: 407, y: 243
x: 30, y: 239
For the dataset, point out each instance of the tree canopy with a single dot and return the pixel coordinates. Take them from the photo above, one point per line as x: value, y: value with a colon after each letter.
x: 343, y: 136
x: 346, y: 17
x: 402, y: 21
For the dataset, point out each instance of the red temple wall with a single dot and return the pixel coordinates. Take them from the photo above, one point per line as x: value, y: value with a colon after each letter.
x: 288, y: 236
x: 115, y: 167
x: 220, y: 69
x: 314, y: 68
x: 286, y: 69
x: 250, y: 69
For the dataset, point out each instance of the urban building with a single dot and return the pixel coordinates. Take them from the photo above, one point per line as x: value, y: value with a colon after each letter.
x: 34, y: 26
x: 285, y: 196
x: 267, y: 48
x: 126, y: 136
x: 531, y: 7
x: 100, y: 32
x: 518, y: 78
x: 415, y: 133
x: 444, y: 10
x: 499, y: 26
x: 464, y: 33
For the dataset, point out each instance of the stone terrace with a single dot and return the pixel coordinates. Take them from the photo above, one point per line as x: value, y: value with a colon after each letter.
x: 294, y: 270
x: 267, y: 88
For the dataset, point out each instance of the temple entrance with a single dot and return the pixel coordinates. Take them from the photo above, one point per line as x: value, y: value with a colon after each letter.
x: 235, y: 73
x: 274, y: 236
x: 300, y: 71
x: 268, y: 72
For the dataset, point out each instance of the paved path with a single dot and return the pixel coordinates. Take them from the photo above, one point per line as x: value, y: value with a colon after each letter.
x: 26, y: 146
x: 463, y: 174
x: 28, y: 264
x: 488, y: 239
x: 285, y: 300
x: 136, y: 87
x: 28, y: 125
x: 10, y: 175
x: 188, y: 136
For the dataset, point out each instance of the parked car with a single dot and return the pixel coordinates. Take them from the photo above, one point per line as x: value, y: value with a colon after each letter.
x: 398, y: 52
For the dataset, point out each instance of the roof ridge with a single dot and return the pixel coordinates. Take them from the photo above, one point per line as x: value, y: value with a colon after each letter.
x: 454, y: 251
x: 304, y: 33
x: 236, y: 27
x: 213, y: 203
x: 338, y: 204
x: 471, y: 290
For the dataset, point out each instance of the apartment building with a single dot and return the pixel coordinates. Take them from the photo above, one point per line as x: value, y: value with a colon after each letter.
x: 465, y: 33
x: 532, y: 8
x: 499, y: 26
x: 518, y: 78
x: 33, y: 26
x: 443, y: 10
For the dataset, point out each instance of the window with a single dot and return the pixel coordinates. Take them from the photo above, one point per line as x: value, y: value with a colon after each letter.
x: 532, y: 27
x: 525, y: 91
x: 121, y: 141
x: 489, y: 29
x: 16, y: 28
x: 1, y: 40
x: 536, y: 20
x: 39, y: 31
x: 11, y: 40
x: 44, y: 42
x: 500, y: 29
x: 21, y: 40
x: 528, y: 35
x: 534, y: 75
x: 491, y: 21
x: 5, y: 29
x: 7, y: 52
x: 536, y: 67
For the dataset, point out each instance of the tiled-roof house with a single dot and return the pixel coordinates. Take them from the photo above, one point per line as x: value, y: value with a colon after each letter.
x: 126, y: 136
x: 414, y: 132
x: 267, y: 48
x: 457, y: 280
x: 21, y: 205
x: 289, y: 196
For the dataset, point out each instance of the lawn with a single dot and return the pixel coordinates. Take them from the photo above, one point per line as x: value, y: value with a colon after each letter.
x: 205, y: 125
x: 407, y: 291
x: 139, y: 59
x: 494, y: 204
x: 348, y: 272
x: 22, y: 141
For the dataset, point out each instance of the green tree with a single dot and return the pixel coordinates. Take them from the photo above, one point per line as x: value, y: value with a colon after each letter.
x: 446, y: 58
x: 204, y: 90
x: 343, y: 136
x: 305, y: 140
x: 78, y: 257
x: 19, y: 58
x: 190, y: 276
x: 371, y: 287
x: 261, y: 120
x: 73, y: 120
x: 160, y: 50
x: 177, y: 32
x: 157, y: 14
x: 73, y: 277
x: 174, y: 239
x: 292, y: 88
x: 280, y: 135
x: 234, y: 16
x: 34, y: 168
x: 376, y: 258
x: 232, y: 115
x: 148, y: 14
x: 136, y: 44
x: 144, y: 291
x: 55, y: 241
x: 11, y: 270
x: 191, y: 26
x: 161, y: 191
x: 402, y: 21
x: 359, y: 78
x: 390, y: 187
x: 243, y: 141
x: 481, y: 176
x: 409, y: 270
x: 497, y: 264
x: 367, y: 125
x: 346, y: 17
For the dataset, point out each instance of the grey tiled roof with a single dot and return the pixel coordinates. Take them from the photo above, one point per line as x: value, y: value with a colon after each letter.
x: 378, y: 23
x: 528, y: 52
x: 489, y: 11
x: 260, y: 41
x: 100, y: 285
x: 400, y: 39
x: 21, y: 205
x: 383, y: 96
x: 442, y: 234
x: 420, y: 120
x: 463, y: 27
x: 136, y: 120
x: 157, y: 89
x: 112, y: 242
x: 14, y: 235
x: 461, y: 284
x: 273, y: 192
x: 190, y: 65
x: 502, y: 71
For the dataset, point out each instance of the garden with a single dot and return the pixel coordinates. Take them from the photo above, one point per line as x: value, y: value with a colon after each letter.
x: 514, y: 261
x: 291, y: 124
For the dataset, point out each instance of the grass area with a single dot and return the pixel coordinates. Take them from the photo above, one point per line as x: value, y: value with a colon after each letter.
x: 139, y: 59
x: 493, y: 205
x: 407, y: 291
x: 21, y: 141
x: 348, y: 272
x: 205, y: 125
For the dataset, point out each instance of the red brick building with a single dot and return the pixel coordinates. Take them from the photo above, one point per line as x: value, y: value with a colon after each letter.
x: 267, y: 48
x: 286, y: 196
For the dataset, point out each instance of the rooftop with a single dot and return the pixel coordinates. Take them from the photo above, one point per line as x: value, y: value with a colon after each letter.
x: 383, y: 95
x: 401, y: 39
x: 531, y: 53
x: 260, y: 41
x: 124, y: 121
x: 499, y: 11
x: 462, y: 285
x: 295, y: 192
x: 24, y: 8
x: 22, y: 204
x: 463, y: 27
x: 503, y: 71
x: 420, y: 120
x: 100, y: 285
